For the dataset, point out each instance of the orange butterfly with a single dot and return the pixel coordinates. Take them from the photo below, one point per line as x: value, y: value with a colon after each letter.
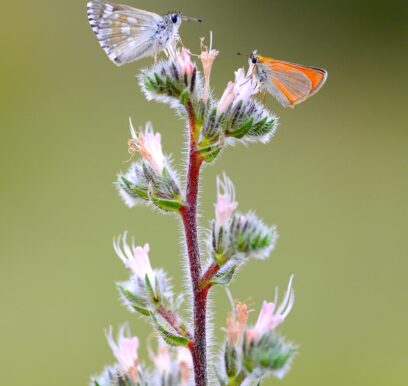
x: 289, y: 83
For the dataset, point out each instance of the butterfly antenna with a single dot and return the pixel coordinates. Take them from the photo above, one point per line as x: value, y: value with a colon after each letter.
x: 196, y: 19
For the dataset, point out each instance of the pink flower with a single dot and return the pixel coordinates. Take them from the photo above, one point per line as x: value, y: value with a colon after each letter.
x: 185, y: 364
x: 236, y: 324
x: 148, y: 144
x: 135, y: 258
x: 226, y: 203
x: 270, y: 316
x: 125, y: 351
x: 184, y: 60
x: 167, y: 361
x: 207, y: 58
x: 162, y: 359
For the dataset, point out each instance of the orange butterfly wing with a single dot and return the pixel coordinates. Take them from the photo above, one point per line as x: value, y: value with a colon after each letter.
x: 291, y: 83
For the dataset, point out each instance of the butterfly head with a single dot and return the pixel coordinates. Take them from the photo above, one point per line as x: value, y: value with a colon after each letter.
x: 175, y: 18
x: 254, y: 57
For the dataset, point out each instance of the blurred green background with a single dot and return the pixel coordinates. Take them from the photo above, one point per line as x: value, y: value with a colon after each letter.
x: 334, y: 180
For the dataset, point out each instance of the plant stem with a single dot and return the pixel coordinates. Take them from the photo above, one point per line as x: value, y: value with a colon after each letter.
x: 189, y: 216
x: 205, y: 281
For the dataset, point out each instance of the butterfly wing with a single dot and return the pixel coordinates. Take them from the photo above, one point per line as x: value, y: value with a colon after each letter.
x: 291, y: 83
x: 125, y: 33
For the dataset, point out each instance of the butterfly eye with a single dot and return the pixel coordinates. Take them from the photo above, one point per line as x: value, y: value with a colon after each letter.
x: 254, y: 59
x: 174, y: 18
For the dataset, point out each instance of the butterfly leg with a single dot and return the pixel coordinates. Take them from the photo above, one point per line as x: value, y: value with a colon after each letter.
x: 264, y: 97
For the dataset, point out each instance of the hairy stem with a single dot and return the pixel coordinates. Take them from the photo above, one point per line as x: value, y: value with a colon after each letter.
x: 189, y: 216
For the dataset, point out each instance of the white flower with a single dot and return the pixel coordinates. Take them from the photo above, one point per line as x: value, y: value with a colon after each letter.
x: 125, y: 351
x: 207, y: 58
x: 271, y: 317
x: 184, y: 60
x: 227, y: 98
x: 226, y: 203
x: 135, y: 258
x: 148, y: 144
x: 244, y: 86
x: 242, y: 89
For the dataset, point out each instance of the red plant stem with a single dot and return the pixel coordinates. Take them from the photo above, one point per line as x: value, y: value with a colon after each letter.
x: 205, y: 281
x: 173, y: 320
x: 189, y: 215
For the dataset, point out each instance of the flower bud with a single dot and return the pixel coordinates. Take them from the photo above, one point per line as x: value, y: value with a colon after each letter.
x: 187, y: 67
x: 226, y: 204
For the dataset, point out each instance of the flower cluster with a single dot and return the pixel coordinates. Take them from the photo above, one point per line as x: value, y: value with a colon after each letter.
x: 135, y: 291
x: 127, y: 370
x: 171, y: 366
x: 149, y: 292
x: 236, y: 237
x: 237, y: 116
x: 252, y: 353
x: 175, y: 81
x: 152, y: 180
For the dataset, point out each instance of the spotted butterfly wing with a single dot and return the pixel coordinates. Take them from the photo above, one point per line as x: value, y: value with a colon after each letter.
x: 125, y: 33
x: 291, y: 83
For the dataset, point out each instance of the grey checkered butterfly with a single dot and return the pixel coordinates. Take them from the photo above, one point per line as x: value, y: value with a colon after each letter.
x: 127, y: 34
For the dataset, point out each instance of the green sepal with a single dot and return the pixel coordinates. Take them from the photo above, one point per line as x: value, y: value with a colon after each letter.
x: 170, y: 338
x: 270, y: 352
x: 230, y: 358
x: 185, y: 97
x: 262, y: 127
x: 210, y: 152
x: 241, y: 130
x: 155, y: 298
x: 137, y: 303
x: 167, y: 205
x: 132, y: 189
x: 224, y: 278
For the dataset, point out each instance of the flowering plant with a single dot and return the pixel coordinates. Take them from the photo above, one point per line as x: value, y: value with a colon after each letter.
x: 250, y: 352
